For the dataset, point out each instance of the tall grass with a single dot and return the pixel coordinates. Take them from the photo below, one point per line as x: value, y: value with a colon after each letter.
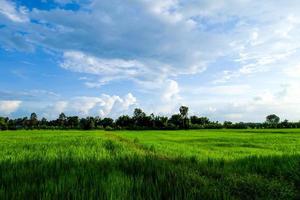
x: 149, y: 165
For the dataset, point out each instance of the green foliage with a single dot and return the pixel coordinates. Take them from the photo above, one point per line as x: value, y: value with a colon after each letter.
x: 175, y: 120
x: 199, y: 120
x: 3, y: 124
x: 107, y: 122
x: 272, y: 119
x: 87, y: 123
x: 139, y: 121
x: 33, y: 122
x: 108, y: 128
x: 125, y: 121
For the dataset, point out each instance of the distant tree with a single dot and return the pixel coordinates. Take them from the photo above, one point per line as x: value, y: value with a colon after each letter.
x: 62, y: 119
x: 159, y: 122
x: 184, y: 111
x: 62, y: 116
x: 138, y: 113
x: 3, y: 124
x: 184, y: 115
x: 19, y: 123
x: 25, y: 122
x: 240, y: 125
x: 124, y: 121
x: 228, y: 124
x: 83, y: 123
x: 194, y: 119
x: 204, y: 120
x: 199, y: 120
x: 272, y: 119
x: 107, y: 122
x: 97, y: 122
x: 87, y: 123
x: 72, y: 122
x: 213, y: 125
x: 43, y: 123
x: 11, y: 124
x: 33, y: 116
x: 285, y: 124
x: 91, y: 122
x: 176, y: 120
x: 141, y: 120
x: 33, y: 120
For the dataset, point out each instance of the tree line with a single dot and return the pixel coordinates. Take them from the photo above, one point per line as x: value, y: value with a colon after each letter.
x: 138, y: 121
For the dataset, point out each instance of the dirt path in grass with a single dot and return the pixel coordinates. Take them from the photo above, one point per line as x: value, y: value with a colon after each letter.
x: 134, y: 144
x: 131, y: 143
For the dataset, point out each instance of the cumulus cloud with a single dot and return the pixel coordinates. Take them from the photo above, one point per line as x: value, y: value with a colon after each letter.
x: 105, y: 105
x: 242, y: 48
x: 60, y: 106
x: 255, y: 106
x: 169, y: 97
x: 9, y: 106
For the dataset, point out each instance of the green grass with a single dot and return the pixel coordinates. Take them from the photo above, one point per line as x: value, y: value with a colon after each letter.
x: 194, y: 164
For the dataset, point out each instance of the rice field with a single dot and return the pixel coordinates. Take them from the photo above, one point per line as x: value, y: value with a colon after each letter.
x: 192, y: 164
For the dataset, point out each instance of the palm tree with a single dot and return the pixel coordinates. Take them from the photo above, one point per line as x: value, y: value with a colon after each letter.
x: 184, y: 115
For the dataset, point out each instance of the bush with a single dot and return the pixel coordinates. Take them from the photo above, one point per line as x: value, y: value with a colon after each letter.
x: 109, y: 128
x: 171, y: 126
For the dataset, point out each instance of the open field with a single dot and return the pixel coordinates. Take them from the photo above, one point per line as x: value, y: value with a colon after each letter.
x: 194, y: 164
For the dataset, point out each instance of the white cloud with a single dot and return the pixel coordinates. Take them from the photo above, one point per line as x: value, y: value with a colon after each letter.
x: 9, y: 10
x: 60, y: 107
x: 116, y: 104
x: 169, y: 97
x: 8, y: 107
x: 103, y: 106
x: 80, y: 62
x: 293, y: 71
x: 148, y: 75
x: 255, y: 106
x: 153, y: 43
x: 171, y: 92
x: 83, y: 105
x: 128, y: 101
x: 165, y: 9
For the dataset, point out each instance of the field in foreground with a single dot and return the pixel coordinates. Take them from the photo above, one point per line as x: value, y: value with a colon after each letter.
x: 194, y: 164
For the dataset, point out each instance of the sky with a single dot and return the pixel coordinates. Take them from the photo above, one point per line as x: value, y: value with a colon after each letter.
x: 236, y: 60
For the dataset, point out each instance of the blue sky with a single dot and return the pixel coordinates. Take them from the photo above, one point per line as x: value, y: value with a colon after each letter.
x: 227, y: 60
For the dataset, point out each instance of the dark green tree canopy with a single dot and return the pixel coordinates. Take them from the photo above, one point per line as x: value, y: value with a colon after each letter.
x: 62, y: 117
x: 139, y: 121
x: 138, y: 113
x: 33, y: 116
x: 272, y: 119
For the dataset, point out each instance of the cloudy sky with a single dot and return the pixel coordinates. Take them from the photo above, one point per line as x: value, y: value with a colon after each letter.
x: 233, y: 60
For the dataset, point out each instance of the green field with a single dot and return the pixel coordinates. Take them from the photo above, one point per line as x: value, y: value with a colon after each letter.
x: 194, y: 164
